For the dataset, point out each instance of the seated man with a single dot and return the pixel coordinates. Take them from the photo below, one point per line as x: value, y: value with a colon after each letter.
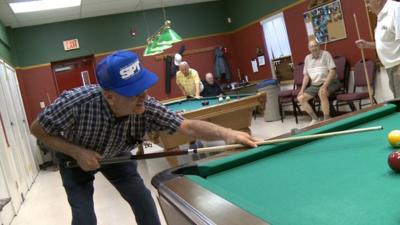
x: 210, y: 87
x: 319, y: 68
x: 188, y: 80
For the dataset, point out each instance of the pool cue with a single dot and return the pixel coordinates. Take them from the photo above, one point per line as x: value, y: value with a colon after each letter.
x: 128, y: 158
x: 122, y: 159
x: 365, y: 66
x: 291, y: 139
x: 48, y: 98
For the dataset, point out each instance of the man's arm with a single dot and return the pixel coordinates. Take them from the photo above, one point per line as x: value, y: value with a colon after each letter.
x: 180, y: 86
x: 329, y: 78
x: 87, y: 159
x: 365, y: 44
x: 197, y: 86
x: 210, y: 132
x: 182, y: 90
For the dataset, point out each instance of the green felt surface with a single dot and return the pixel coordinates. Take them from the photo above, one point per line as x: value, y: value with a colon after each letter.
x: 195, y: 104
x: 331, y: 181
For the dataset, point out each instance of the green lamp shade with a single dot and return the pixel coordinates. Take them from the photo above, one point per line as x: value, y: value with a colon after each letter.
x: 156, y: 46
x: 169, y: 36
x: 149, y: 51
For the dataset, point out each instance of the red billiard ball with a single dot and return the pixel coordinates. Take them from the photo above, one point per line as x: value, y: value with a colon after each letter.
x: 394, y: 161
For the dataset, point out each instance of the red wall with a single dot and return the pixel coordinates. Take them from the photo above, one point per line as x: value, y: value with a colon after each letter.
x: 246, y: 41
x: 36, y: 84
x: 346, y: 47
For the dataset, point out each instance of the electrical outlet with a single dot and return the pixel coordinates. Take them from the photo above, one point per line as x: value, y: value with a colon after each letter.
x: 42, y: 105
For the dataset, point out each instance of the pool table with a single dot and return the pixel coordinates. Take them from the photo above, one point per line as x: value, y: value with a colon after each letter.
x: 332, y: 181
x: 235, y: 114
x: 246, y: 89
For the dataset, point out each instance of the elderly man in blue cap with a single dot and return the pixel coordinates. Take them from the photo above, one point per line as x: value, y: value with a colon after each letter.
x: 95, y: 122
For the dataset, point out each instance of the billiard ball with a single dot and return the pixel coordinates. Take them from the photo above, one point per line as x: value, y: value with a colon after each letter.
x: 394, y: 161
x: 227, y: 98
x: 394, y: 138
x: 180, y: 111
x: 220, y: 99
x: 204, y: 103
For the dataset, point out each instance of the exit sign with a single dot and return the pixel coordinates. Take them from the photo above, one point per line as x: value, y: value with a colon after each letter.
x: 71, y: 44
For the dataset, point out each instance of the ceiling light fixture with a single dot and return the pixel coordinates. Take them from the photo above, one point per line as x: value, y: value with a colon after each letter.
x: 41, y: 5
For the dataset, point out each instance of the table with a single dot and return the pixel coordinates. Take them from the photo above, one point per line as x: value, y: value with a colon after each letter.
x: 333, y: 181
x: 235, y: 114
x: 246, y: 89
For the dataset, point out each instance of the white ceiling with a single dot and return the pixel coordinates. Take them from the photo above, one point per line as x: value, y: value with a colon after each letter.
x: 88, y: 8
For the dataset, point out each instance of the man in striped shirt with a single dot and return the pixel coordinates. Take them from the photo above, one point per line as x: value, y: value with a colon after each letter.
x: 91, y: 123
x: 319, y: 79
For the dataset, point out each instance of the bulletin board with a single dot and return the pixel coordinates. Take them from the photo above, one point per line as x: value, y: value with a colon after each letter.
x: 325, y: 23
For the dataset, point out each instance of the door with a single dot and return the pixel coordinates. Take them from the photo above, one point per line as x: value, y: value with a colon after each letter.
x: 73, y: 73
x: 278, y: 47
x: 9, y: 170
x: 21, y: 122
x: 8, y: 116
x: 7, y: 214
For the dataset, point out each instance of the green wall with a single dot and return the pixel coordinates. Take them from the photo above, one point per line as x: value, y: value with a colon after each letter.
x: 245, y: 12
x: 5, y: 45
x: 43, y: 43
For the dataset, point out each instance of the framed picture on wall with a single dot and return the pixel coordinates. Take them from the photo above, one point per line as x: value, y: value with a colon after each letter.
x: 325, y: 23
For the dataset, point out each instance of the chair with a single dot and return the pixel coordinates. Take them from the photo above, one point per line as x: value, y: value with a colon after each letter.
x: 359, y: 83
x: 288, y: 97
x: 342, y: 71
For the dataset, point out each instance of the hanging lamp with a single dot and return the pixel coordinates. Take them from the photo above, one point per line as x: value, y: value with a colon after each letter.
x: 168, y: 36
x: 163, y: 38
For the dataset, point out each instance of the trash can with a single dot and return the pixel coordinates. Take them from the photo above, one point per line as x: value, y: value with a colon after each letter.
x: 271, y: 112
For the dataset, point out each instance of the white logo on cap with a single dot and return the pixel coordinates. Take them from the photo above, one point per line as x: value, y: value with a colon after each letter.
x: 130, y: 70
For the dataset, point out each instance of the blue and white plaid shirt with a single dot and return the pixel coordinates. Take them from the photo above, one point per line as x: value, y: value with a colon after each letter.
x: 83, y: 117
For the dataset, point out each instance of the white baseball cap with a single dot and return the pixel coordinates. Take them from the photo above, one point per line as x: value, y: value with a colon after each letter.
x: 177, y: 59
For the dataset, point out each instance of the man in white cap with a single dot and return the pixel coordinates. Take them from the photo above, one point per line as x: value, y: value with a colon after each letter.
x: 91, y: 123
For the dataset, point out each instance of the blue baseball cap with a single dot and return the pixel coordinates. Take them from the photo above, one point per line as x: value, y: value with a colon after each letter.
x: 123, y: 73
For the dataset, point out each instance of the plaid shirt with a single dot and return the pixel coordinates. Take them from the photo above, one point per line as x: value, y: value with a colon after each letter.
x: 83, y: 117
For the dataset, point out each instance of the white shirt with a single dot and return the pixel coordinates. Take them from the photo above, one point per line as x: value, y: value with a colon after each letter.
x: 318, y: 68
x: 387, y: 34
